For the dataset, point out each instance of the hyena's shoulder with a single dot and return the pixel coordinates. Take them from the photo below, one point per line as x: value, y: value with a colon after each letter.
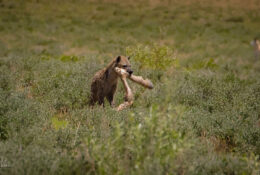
x: 99, y: 75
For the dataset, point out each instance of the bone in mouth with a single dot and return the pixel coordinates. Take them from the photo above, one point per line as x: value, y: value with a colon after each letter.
x: 137, y: 79
x: 129, y: 99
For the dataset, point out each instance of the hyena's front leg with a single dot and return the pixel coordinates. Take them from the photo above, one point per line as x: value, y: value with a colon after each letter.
x: 101, y: 96
x: 94, y: 94
x: 101, y: 101
x: 110, y: 96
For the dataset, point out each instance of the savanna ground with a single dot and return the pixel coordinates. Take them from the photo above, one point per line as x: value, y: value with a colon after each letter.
x: 202, y: 117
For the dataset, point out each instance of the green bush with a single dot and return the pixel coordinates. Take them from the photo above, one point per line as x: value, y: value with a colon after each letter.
x: 223, y: 106
x: 153, y: 56
x: 202, y: 159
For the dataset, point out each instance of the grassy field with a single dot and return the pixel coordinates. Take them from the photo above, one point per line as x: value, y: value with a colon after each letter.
x: 202, y: 117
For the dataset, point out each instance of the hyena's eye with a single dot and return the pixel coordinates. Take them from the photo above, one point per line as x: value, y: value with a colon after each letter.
x: 124, y: 66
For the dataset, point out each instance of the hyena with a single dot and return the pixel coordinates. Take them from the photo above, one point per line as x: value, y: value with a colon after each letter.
x: 104, y: 82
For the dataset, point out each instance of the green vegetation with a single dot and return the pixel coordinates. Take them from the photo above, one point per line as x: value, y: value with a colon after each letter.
x: 202, y: 117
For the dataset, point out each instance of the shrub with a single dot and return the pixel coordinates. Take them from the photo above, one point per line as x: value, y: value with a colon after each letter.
x: 153, y: 56
x: 223, y: 106
x: 201, y: 159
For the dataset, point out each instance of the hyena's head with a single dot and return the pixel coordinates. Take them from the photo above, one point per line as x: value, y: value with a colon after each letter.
x: 123, y: 63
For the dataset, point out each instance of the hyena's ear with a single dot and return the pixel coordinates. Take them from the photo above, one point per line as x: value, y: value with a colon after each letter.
x: 128, y: 58
x: 118, y: 59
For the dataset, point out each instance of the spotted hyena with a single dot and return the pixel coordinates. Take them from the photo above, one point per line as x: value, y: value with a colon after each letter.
x: 104, y: 82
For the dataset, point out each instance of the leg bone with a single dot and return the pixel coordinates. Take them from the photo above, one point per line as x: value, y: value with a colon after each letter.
x: 137, y: 79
